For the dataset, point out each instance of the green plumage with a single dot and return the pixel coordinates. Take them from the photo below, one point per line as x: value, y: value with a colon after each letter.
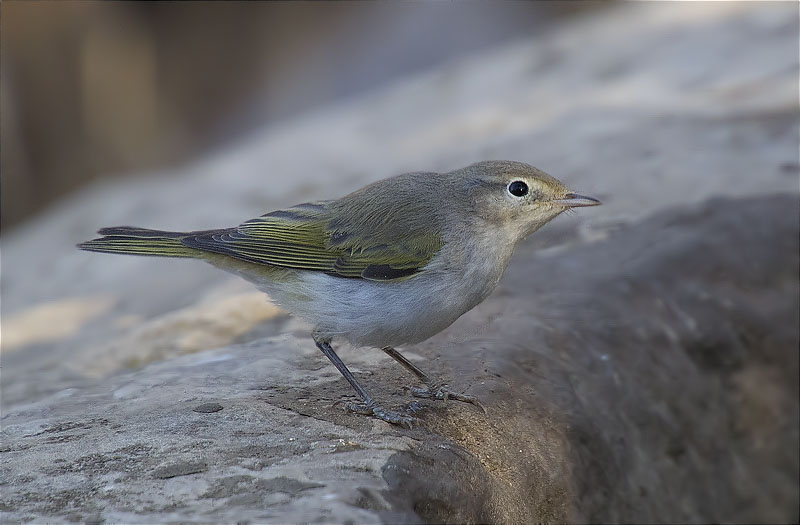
x: 304, y: 237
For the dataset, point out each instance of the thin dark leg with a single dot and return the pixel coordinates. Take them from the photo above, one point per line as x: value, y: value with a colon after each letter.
x: 411, y: 367
x: 369, y: 406
x: 337, y: 362
x: 434, y: 389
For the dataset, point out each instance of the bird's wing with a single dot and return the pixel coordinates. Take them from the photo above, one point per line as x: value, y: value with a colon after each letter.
x: 304, y: 237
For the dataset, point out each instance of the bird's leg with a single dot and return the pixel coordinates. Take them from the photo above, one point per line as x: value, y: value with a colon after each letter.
x: 368, y: 407
x: 433, y: 389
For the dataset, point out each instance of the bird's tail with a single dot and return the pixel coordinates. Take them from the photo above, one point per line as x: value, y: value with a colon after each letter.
x: 140, y: 241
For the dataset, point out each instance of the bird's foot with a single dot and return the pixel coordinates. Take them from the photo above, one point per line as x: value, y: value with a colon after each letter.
x: 441, y: 393
x: 374, y: 410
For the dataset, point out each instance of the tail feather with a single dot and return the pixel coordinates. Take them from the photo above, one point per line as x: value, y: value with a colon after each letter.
x: 132, y: 231
x: 140, y: 241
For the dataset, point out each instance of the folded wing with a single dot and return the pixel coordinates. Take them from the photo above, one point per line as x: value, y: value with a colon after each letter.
x: 304, y: 237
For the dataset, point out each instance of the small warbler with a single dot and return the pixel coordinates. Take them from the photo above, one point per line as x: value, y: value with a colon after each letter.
x: 390, y: 264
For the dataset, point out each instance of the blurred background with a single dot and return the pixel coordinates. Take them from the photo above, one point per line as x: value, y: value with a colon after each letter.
x: 92, y: 89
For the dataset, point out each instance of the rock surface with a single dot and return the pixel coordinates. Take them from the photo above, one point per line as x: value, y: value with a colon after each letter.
x: 650, y: 376
x: 639, y: 361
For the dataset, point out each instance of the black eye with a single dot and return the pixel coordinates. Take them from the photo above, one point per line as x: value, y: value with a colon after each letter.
x: 518, y: 188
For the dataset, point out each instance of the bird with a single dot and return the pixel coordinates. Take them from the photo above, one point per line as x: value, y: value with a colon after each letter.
x: 390, y: 264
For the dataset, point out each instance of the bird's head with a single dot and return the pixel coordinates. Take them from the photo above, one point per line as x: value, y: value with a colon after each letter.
x: 517, y: 197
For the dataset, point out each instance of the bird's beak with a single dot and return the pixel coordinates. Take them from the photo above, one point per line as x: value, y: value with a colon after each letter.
x: 573, y: 200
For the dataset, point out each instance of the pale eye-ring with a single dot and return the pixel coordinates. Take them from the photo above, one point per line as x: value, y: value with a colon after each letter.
x: 518, y: 188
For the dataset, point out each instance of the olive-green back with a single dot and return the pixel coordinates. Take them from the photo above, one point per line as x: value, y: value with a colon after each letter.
x: 384, y: 231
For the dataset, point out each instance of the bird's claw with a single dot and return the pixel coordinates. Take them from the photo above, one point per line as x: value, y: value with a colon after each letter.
x: 441, y: 393
x: 381, y: 413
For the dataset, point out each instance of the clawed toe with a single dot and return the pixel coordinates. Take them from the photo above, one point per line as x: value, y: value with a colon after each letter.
x: 443, y: 394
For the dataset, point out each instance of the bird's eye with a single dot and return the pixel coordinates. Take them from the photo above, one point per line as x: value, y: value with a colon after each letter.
x: 518, y: 188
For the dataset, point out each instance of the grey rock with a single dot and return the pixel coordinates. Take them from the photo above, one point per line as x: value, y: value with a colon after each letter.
x: 208, y: 408
x: 180, y: 469
x: 650, y: 376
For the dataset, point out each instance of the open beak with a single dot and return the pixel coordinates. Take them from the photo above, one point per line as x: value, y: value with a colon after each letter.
x: 573, y: 200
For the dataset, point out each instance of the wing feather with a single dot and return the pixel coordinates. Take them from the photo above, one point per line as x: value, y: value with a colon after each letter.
x: 302, y: 237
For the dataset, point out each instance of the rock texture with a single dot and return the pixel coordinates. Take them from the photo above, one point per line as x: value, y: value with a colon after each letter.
x: 648, y: 377
x: 639, y: 361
